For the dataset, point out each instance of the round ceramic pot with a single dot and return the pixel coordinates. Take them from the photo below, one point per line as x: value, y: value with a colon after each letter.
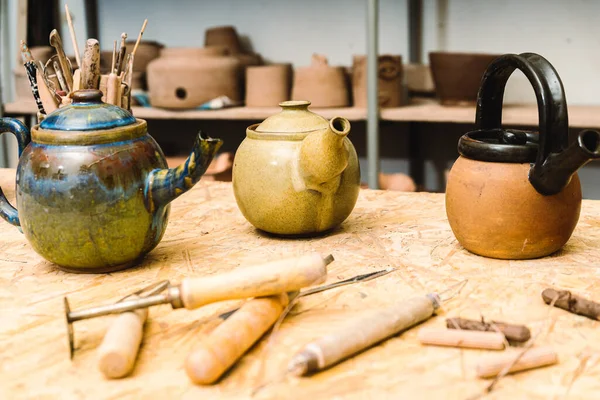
x: 225, y: 36
x: 268, y: 85
x: 296, y: 173
x: 325, y: 85
x: 93, y: 188
x: 515, y: 194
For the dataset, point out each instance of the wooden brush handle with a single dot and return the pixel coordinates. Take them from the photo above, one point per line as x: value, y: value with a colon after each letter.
x: 534, y: 358
x: 275, y: 277
x: 119, y: 349
x: 462, y: 338
x: 230, y: 340
x: 90, y: 65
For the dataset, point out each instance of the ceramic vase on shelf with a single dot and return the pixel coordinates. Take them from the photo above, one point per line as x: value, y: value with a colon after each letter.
x: 325, y: 85
x: 268, y: 85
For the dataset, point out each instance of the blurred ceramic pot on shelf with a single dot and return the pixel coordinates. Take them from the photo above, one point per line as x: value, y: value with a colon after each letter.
x: 389, y: 73
x: 267, y: 85
x: 325, y: 85
x: 296, y: 173
x: 457, y: 76
x: 185, y: 78
x: 516, y: 194
x: 93, y: 188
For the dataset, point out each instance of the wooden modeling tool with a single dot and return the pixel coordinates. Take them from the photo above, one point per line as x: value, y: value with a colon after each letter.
x: 121, y: 343
x: 120, y: 62
x: 462, y: 338
x: 31, y: 70
x: 280, y: 276
x: 533, y: 358
x: 139, y: 39
x: 90, y: 68
x: 572, y: 303
x: 60, y: 77
x: 73, y: 37
x: 367, y: 330
x: 113, y: 83
x: 243, y: 327
x: 65, y: 66
x: 512, y: 332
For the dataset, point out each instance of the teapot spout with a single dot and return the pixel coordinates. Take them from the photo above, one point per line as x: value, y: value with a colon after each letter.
x: 165, y: 185
x: 323, y: 155
x: 556, y: 171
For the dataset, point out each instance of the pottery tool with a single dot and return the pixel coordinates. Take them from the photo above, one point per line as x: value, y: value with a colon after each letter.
x: 280, y: 276
x: 120, y: 61
x: 113, y: 84
x: 225, y: 345
x: 121, y: 343
x: 534, y: 358
x: 65, y: 66
x: 90, y: 68
x: 60, y: 77
x: 367, y: 330
x: 46, y: 90
x: 572, y: 303
x: 462, y: 338
x: 512, y: 332
x: 139, y: 39
x: 31, y: 70
x: 73, y: 37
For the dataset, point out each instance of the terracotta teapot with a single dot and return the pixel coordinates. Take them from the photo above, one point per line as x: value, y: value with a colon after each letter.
x: 514, y: 194
x: 296, y: 173
x: 93, y: 188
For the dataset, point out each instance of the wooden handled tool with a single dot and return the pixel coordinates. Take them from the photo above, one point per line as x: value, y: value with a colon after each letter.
x: 534, y: 358
x: 90, y: 68
x: 65, y: 67
x: 512, y: 332
x: 462, y: 338
x: 31, y: 70
x: 113, y: 83
x: 367, y: 330
x: 46, y: 95
x: 230, y: 340
x: 120, y: 61
x: 119, y: 349
x: 572, y: 303
x: 60, y: 77
x: 280, y: 276
x: 73, y: 37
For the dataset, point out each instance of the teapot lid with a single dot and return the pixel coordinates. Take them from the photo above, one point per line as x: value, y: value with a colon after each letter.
x: 500, y: 145
x: 294, y: 118
x: 87, y: 113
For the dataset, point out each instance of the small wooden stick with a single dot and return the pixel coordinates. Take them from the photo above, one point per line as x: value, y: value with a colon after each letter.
x: 119, y: 349
x: 60, y: 77
x: 513, y: 333
x: 90, y: 69
x: 462, y: 338
x: 572, y: 303
x: 139, y: 39
x: 121, y: 55
x: 533, y: 358
x: 76, y: 80
x: 230, y: 340
x: 73, y: 38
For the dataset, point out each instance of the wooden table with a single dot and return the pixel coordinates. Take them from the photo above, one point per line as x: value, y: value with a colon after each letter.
x: 208, y: 234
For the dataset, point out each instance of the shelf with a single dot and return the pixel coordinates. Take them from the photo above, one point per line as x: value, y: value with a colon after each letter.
x: 420, y: 111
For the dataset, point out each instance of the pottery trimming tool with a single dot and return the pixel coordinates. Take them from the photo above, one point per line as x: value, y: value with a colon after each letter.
x: 217, y: 353
x: 368, y: 329
x: 275, y: 277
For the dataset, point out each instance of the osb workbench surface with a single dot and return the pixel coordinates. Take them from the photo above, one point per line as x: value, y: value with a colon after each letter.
x: 207, y: 234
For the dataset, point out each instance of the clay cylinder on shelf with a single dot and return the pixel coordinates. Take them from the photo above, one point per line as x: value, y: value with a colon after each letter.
x: 321, y: 84
x: 267, y: 86
x: 185, y: 78
x: 390, y: 91
x: 225, y: 36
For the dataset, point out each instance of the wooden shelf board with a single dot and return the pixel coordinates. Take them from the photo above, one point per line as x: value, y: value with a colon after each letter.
x: 420, y: 111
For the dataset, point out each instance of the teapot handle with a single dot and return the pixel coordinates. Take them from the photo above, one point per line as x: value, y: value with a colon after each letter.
x: 17, y: 128
x: 549, y: 91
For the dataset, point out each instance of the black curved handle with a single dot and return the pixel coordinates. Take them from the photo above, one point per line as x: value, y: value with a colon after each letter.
x: 16, y: 127
x: 549, y: 91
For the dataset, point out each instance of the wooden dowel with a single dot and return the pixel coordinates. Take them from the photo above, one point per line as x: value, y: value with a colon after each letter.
x: 139, y: 39
x: 73, y: 38
x: 120, y: 346
x: 462, y: 338
x: 512, y: 332
x: 533, y: 358
x: 572, y: 303
x: 230, y: 340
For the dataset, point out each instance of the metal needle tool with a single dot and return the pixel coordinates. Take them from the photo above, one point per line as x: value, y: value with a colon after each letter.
x: 144, y: 292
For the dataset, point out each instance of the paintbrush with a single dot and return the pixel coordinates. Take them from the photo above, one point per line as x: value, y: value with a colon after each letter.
x: 31, y: 69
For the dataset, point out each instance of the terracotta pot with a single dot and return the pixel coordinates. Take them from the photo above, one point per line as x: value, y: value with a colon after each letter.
x: 323, y: 85
x: 225, y: 36
x: 516, y: 194
x: 267, y: 86
x: 390, y: 91
x: 419, y: 79
x: 457, y: 76
x: 184, y: 78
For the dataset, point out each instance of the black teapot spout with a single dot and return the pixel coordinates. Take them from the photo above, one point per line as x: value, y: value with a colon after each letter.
x: 554, y: 174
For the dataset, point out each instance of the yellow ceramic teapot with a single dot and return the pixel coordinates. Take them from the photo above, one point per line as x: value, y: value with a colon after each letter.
x: 296, y: 173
